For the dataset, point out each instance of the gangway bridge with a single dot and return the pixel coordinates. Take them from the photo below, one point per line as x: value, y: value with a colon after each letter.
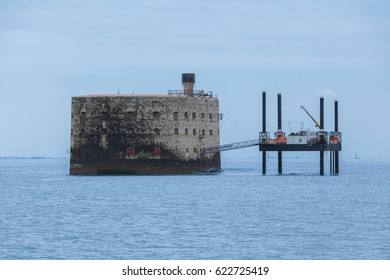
x: 232, y: 146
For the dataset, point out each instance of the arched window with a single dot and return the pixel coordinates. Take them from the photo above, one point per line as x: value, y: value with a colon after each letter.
x: 202, y: 115
x: 193, y: 115
x: 211, y: 132
x: 194, y: 131
x: 203, y: 132
x: 210, y: 116
x: 176, y: 131
x: 156, y: 115
x: 186, y: 131
x: 175, y: 116
x: 186, y: 115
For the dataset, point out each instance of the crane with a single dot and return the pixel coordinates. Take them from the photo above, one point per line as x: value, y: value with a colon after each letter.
x: 316, y: 123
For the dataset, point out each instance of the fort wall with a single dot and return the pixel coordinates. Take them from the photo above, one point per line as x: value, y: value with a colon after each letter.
x: 143, y: 134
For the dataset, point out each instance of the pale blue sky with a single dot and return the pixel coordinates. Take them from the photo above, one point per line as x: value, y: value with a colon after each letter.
x: 53, y: 50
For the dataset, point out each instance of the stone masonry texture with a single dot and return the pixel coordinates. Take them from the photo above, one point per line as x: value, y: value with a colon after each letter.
x: 143, y: 134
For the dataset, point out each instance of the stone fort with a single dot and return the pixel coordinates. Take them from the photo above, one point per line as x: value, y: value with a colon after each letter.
x: 145, y: 133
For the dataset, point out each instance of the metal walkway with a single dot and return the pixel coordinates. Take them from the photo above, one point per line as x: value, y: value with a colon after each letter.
x: 232, y: 146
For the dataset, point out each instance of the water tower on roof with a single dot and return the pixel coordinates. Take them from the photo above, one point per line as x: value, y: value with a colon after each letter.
x: 188, y: 80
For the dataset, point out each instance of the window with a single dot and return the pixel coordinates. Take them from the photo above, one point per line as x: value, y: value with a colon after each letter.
x: 175, y: 116
x: 130, y: 151
x: 187, y: 150
x: 203, y: 132
x: 156, y: 115
x: 194, y: 131
x: 210, y: 116
x: 176, y: 131
x: 130, y: 114
x: 211, y: 132
x: 194, y: 150
x: 193, y: 115
x: 186, y: 115
x: 156, y: 131
x: 186, y: 131
x: 157, y: 150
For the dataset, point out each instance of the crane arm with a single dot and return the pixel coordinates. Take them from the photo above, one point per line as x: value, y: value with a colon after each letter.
x: 316, y: 123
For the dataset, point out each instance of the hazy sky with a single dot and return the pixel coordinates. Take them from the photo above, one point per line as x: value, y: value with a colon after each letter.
x: 53, y: 50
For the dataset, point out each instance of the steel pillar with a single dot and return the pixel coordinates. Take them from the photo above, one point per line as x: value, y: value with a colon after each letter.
x: 279, y: 111
x: 331, y: 162
x: 264, y: 156
x: 336, y: 129
x: 280, y: 129
x: 322, y: 139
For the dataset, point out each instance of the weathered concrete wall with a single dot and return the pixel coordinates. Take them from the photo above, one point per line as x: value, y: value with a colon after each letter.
x: 143, y: 134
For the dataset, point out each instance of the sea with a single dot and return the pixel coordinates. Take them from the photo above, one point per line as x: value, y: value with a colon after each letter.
x: 237, y: 213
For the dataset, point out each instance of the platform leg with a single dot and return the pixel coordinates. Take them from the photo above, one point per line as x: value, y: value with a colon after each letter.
x: 336, y: 159
x: 279, y: 162
x: 331, y: 162
x: 264, y: 166
x: 321, y: 162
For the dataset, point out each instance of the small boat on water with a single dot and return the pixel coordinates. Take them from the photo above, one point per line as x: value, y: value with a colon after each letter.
x: 356, y: 156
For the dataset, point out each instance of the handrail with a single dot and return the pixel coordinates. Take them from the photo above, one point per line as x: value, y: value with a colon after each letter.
x: 231, y: 146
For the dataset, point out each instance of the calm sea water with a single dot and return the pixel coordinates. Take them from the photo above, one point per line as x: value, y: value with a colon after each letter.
x: 235, y: 214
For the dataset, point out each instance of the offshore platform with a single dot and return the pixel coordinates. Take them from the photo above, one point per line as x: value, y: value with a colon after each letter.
x: 302, y: 141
